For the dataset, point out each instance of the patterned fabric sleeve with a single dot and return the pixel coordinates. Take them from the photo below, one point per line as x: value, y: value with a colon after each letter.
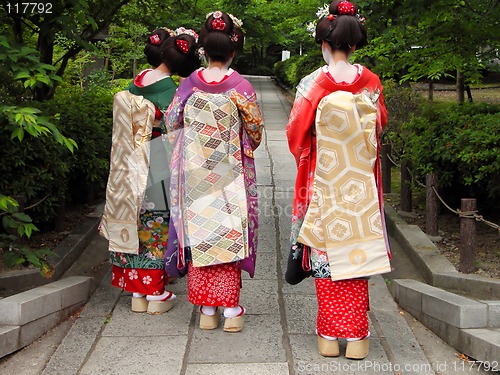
x: 299, y: 127
x: 251, y: 116
x: 173, y: 119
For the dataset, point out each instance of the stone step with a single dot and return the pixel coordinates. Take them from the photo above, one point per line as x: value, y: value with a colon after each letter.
x: 468, y: 325
x: 26, y: 316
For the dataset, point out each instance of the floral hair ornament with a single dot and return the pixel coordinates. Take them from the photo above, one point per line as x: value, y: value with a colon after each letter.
x: 169, y: 31
x: 182, y: 45
x: 323, y: 11
x: 155, y: 40
x: 236, y: 21
x: 346, y: 8
x: 234, y: 37
x: 218, y: 22
x: 182, y: 30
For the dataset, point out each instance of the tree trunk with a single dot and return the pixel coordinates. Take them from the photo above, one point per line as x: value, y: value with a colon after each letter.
x: 460, y: 87
x: 431, y: 91
x: 46, y: 49
x: 469, y: 93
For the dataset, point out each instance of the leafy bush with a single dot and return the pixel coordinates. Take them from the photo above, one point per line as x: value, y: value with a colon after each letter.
x: 461, y: 145
x: 402, y: 103
x: 291, y: 71
x: 87, y: 117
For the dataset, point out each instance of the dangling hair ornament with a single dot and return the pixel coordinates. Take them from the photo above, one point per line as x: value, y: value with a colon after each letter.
x: 155, y: 40
x: 362, y: 20
x: 182, y: 45
x: 346, y: 8
x: 236, y: 21
x: 182, y: 30
x: 218, y: 22
x: 169, y: 31
x: 323, y: 11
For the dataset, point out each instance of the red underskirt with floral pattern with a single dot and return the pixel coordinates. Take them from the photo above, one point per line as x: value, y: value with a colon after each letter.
x: 342, y: 308
x: 217, y: 285
x: 137, y: 280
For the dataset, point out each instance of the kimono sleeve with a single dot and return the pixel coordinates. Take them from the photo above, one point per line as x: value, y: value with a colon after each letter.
x: 299, y: 127
x: 173, y: 118
x: 251, y: 117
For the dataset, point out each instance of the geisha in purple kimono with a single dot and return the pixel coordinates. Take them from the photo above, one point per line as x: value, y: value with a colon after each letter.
x: 215, y: 125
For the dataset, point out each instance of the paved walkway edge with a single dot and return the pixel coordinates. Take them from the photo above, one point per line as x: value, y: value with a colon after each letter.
x: 470, y: 326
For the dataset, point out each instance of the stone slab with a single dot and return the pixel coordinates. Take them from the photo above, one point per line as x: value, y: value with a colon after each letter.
x: 124, y: 322
x: 390, y: 326
x: 238, y: 368
x: 75, y: 347
x: 307, y: 360
x: 476, y: 286
x: 493, y: 313
x: 259, y: 341
x: 483, y: 345
x: 458, y: 311
x: 408, y: 293
x: 136, y: 355
x: 9, y: 339
x: 36, y: 303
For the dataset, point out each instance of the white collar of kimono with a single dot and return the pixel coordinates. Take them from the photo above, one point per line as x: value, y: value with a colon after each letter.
x: 216, y: 74
x: 342, y: 71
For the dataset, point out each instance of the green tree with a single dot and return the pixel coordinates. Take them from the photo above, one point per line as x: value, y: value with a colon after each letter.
x: 426, y: 39
x: 78, y: 22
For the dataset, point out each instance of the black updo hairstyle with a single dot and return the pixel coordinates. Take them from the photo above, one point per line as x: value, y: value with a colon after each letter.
x: 178, y: 53
x: 220, y: 44
x: 341, y: 31
x: 153, y: 46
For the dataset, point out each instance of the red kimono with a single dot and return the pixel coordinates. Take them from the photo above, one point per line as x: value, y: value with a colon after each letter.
x: 342, y: 305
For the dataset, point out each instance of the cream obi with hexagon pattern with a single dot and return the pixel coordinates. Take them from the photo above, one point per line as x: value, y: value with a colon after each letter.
x: 343, y: 218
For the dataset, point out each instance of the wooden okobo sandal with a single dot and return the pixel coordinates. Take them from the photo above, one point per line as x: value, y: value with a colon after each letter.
x: 235, y: 324
x: 209, y: 321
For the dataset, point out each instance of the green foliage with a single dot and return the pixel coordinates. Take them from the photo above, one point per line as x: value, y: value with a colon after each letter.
x: 402, y: 104
x: 87, y: 118
x: 17, y: 224
x: 415, y: 40
x: 460, y: 144
x: 292, y: 70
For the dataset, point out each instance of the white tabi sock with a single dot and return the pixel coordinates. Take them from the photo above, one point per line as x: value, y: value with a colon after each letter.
x: 232, y: 312
x: 356, y: 339
x: 208, y: 310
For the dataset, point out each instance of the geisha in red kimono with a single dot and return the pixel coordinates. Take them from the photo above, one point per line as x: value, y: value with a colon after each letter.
x: 136, y: 214
x: 333, y: 133
x: 216, y: 125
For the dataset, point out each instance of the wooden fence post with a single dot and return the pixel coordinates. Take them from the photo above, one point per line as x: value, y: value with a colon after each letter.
x: 406, y: 193
x: 467, y: 238
x: 431, y: 205
x: 386, y: 168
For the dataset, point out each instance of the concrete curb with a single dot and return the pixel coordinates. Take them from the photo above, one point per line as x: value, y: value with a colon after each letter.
x: 26, y: 316
x: 436, y: 269
x: 68, y: 250
x: 470, y: 325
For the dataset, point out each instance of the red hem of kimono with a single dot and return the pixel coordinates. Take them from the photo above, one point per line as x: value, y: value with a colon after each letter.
x: 342, y: 308
x: 137, y: 280
x: 217, y: 285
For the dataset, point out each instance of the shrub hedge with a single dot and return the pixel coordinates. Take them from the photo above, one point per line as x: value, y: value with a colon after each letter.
x: 44, y: 171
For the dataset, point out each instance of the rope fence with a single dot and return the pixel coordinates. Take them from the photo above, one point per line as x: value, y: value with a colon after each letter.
x: 467, y: 213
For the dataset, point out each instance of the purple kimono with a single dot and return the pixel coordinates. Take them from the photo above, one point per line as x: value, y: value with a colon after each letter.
x: 240, y: 93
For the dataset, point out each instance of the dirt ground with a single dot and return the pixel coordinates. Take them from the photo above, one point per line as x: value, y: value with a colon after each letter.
x: 487, y: 249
